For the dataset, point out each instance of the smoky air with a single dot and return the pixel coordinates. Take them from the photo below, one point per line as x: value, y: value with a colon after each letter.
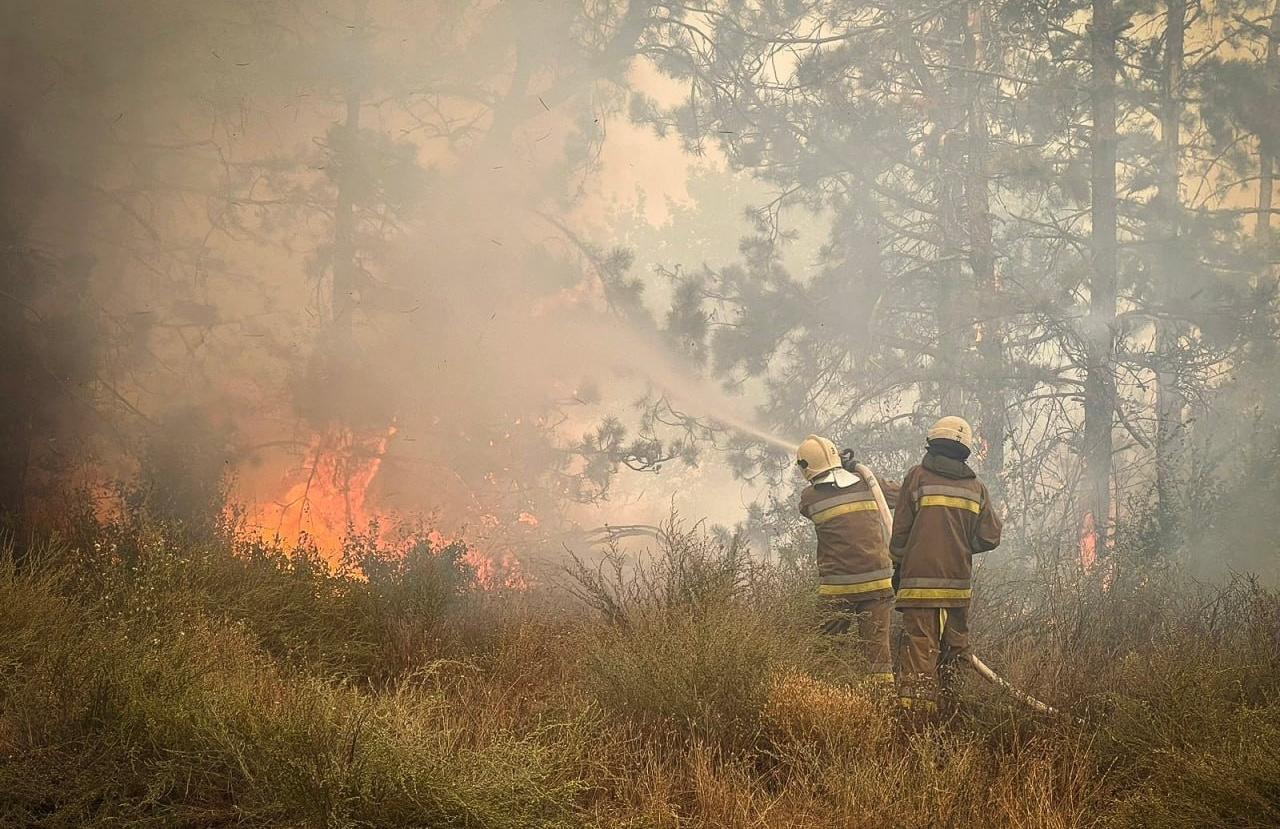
x: 545, y: 396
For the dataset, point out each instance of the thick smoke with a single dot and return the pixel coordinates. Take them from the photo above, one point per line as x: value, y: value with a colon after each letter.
x: 373, y: 259
x: 304, y: 231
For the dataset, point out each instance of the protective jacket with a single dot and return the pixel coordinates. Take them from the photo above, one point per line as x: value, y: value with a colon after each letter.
x: 943, y: 516
x: 853, y: 552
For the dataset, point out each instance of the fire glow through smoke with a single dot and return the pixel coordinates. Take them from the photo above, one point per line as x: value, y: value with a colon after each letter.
x: 1088, y: 543
x: 328, y: 495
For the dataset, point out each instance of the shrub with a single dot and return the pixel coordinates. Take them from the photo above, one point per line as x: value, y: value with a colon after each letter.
x: 704, y: 676
x: 379, y: 615
x: 695, y: 632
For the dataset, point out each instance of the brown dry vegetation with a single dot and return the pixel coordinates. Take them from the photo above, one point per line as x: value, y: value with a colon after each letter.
x: 150, y: 682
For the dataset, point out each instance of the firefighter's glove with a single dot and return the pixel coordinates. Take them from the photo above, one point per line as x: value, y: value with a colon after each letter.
x: 846, y: 459
x: 895, y: 579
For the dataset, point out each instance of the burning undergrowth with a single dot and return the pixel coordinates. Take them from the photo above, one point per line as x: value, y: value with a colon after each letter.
x: 329, y: 506
x: 323, y: 500
x: 330, y: 494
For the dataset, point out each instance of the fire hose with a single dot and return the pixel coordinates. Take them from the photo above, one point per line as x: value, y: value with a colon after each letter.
x: 983, y: 669
x: 1021, y: 696
x: 881, y: 504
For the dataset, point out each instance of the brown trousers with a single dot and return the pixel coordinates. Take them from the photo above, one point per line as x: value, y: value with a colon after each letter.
x: 872, y: 618
x: 935, y: 643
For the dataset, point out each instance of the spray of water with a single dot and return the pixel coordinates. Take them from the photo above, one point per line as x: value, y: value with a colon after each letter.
x: 656, y: 363
x: 745, y: 427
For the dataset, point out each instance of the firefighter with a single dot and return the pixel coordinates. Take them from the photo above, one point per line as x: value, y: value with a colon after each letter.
x: 853, y: 554
x: 944, y: 516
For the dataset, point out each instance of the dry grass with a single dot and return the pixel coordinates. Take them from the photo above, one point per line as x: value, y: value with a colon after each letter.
x: 144, y: 683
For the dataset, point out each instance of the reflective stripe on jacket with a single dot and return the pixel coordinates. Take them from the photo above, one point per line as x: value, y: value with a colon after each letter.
x: 853, y: 550
x: 944, y: 516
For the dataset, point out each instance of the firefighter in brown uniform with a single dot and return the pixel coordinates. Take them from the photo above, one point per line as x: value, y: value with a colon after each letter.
x: 853, y: 553
x: 943, y: 516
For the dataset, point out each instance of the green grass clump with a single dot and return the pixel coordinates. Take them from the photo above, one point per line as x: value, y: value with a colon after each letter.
x: 691, y: 638
x: 702, y: 676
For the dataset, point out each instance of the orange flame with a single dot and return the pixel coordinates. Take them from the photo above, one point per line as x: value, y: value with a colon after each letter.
x: 1088, y: 543
x: 328, y: 495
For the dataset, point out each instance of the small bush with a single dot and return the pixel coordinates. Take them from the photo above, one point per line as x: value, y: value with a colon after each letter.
x: 697, y: 631
x: 705, y: 676
x: 378, y: 616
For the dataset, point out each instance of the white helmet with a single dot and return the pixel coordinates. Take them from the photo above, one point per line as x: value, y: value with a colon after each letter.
x: 816, y: 455
x: 953, y: 428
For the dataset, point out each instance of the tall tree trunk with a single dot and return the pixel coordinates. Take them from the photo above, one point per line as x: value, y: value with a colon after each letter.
x: 954, y: 320
x: 1099, y: 404
x: 1170, y: 403
x: 345, y: 265
x: 990, y: 332
x: 1267, y: 150
x: 952, y: 316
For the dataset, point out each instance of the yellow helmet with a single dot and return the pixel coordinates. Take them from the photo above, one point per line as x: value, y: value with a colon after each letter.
x: 816, y: 455
x: 953, y: 428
